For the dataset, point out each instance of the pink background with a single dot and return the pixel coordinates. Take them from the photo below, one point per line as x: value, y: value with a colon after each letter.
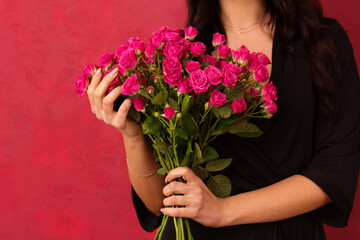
x: 62, y: 171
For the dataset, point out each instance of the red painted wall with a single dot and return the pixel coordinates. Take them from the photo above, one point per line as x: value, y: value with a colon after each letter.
x: 62, y: 172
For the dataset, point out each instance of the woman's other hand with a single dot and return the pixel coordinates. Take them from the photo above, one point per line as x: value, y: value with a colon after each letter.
x: 102, y: 106
x: 200, y: 203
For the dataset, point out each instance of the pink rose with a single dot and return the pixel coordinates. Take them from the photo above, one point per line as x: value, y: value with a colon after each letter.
x: 269, y: 92
x: 150, y: 89
x: 239, y: 105
x: 217, y: 98
x: 169, y: 112
x: 270, y: 106
x: 263, y: 59
x: 223, y: 51
x: 175, y: 50
x: 173, y: 78
x: 192, y: 66
x: 210, y: 59
x: 232, y: 68
x: 213, y: 74
x: 171, y: 65
x: 199, y: 81
x: 171, y: 35
x: 190, y: 33
x: 241, y: 55
x: 218, y: 39
x: 229, y: 79
x: 89, y: 70
x: 197, y: 48
x: 131, y: 85
x: 139, y: 103
x: 136, y: 44
x: 261, y: 74
x: 115, y: 81
x: 106, y: 59
x: 157, y: 38
x: 149, y: 50
x: 156, y: 41
x: 128, y: 59
x: 81, y: 85
x: 120, y: 50
x: 184, y: 86
x: 255, y: 91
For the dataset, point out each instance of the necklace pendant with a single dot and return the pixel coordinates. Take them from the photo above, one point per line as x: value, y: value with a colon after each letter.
x: 238, y: 31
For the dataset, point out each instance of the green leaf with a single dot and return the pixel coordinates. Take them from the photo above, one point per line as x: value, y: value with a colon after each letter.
x: 215, y: 111
x: 189, y: 124
x: 225, y: 111
x: 250, y: 131
x: 151, y: 126
x: 209, y: 154
x: 236, y: 92
x: 200, y: 172
x: 161, y: 146
x: 185, y: 105
x: 227, y: 92
x: 144, y: 93
x: 158, y: 99
x: 219, y: 185
x: 197, y: 150
x: 204, y: 129
x: 224, y: 125
x: 238, y: 126
x: 181, y: 133
x: 187, y: 153
x: 218, y: 165
x: 173, y: 103
x: 161, y: 171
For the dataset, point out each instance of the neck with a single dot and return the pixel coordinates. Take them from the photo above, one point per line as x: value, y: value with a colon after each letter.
x: 241, y: 13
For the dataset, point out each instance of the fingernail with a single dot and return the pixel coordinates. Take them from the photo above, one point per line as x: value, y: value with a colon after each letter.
x: 114, y: 71
x: 97, y: 73
x: 166, y: 178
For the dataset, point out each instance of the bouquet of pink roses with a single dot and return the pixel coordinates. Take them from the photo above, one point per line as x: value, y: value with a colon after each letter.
x: 183, y: 99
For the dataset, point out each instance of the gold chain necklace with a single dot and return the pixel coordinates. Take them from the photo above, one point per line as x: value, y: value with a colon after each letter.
x: 243, y: 29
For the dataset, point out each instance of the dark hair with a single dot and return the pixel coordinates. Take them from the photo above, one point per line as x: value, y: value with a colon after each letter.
x: 299, y: 19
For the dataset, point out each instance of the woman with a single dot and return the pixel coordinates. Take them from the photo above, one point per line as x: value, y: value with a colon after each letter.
x: 302, y: 171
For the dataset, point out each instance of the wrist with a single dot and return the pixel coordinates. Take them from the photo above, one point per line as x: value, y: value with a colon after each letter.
x: 134, y: 140
x: 227, y: 215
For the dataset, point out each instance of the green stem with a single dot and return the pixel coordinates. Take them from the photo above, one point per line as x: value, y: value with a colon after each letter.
x: 190, y: 237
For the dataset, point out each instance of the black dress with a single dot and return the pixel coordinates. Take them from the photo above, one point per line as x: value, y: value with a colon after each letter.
x: 294, y: 142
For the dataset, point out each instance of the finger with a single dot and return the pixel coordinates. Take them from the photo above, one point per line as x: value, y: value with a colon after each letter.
x: 95, y: 80
x: 90, y: 92
x: 178, y: 212
x: 186, y: 173
x: 175, y: 187
x: 104, y: 84
x: 175, y: 201
x: 120, y: 117
x: 108, y: 101
x: 99, y: 92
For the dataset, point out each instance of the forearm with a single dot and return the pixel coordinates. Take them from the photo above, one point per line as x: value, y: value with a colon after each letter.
x: 141, y: 162
x: 288, y: 198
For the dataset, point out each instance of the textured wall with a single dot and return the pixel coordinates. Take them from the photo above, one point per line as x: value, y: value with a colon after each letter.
x: 62, y: 172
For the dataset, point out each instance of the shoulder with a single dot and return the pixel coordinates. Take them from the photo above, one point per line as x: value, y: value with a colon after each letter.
x: 342, y: 43
x: 337, y: 32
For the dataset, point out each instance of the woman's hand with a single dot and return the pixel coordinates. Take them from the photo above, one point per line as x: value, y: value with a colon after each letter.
x: 200, y: 203
x: 102, y: 106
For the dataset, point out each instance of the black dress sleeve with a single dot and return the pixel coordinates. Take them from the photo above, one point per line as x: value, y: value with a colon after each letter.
x: 335, y: 165
x: 148, y: 221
